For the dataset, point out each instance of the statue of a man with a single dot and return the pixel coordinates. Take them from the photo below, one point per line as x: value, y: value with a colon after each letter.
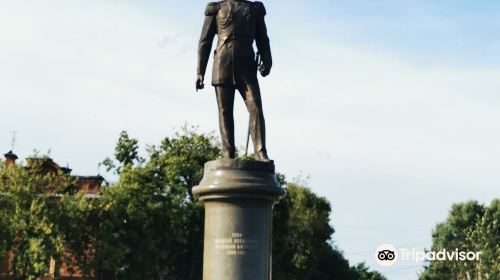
x: 238, y: 24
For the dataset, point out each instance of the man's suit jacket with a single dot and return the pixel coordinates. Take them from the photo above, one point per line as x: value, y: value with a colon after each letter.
x: 237, y: 24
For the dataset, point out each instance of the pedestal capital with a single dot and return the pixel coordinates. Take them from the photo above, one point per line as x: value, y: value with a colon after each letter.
x: 234, y: 178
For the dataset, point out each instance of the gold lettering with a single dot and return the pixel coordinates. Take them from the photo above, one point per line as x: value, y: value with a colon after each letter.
x: 236, y: 244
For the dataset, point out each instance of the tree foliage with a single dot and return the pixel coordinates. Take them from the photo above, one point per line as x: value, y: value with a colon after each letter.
x: 151, y: 228
x: 34, y: 208
x: 126, y: 153
x: 147, y: 225
x: 302, y: 245
x: 470, y: 226
x: 363, y: 272
x: 486, y: 237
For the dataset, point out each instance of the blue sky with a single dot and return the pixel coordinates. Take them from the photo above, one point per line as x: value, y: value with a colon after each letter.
x: 391, y: 107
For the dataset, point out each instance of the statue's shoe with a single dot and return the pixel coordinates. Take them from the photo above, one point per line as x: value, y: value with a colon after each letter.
x: 229, y: 154
x: 262, y: 156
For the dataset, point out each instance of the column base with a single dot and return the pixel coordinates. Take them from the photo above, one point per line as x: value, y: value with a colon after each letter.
x: 238, y: 196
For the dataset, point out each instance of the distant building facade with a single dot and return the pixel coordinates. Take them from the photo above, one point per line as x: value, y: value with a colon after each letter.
x: 91, y: 186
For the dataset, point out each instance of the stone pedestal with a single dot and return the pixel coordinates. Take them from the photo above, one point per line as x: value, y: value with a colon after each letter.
x: 238, y: 196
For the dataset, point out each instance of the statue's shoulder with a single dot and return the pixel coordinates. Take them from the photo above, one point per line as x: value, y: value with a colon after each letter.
x: 212, y: 8
x: 259, y: 8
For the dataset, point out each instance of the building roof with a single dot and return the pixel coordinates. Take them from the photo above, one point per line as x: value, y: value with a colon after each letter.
x: 10, y: 155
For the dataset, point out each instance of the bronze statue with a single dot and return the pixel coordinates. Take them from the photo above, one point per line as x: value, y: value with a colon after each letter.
x: 238, y: 24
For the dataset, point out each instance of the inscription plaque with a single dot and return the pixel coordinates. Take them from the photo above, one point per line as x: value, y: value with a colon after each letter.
x: 236, y: 244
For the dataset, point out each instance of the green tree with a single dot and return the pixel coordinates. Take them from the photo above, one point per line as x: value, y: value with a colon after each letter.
x: 362, y: 272
x: 147, y: 225
x: 469, y: 227
x: 150, y: 226
x: 302, y: 245
x: 486, y: 239
x: 126, y: 153
x: 79, y: 225
x: 31, y: 216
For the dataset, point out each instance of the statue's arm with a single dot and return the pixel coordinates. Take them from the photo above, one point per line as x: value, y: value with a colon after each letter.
x: 207, y: 36
x: 262, y: 40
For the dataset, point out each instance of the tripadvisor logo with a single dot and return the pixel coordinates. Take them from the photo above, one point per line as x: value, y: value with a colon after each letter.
x: 387, y: 255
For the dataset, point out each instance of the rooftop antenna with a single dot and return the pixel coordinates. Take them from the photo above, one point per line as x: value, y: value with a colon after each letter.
x: 13, y: 141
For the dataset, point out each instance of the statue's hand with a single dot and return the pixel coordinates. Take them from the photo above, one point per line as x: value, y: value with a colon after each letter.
x: 199, y: 82
x: 264, y: 70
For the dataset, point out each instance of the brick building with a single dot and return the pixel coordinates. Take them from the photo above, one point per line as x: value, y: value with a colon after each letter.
x: 91, y: 186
